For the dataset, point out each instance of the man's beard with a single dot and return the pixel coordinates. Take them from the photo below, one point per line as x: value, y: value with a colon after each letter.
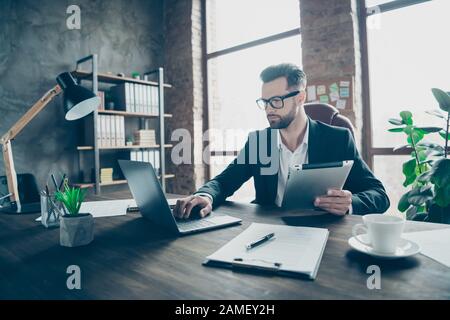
x: 284, y: 122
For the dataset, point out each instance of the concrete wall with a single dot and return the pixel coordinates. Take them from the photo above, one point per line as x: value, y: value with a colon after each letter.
x: 35, y: 46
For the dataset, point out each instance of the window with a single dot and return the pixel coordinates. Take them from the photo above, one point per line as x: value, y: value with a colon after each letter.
x: 408, y: 55
x: 244, y: 37
x: 234, y: 22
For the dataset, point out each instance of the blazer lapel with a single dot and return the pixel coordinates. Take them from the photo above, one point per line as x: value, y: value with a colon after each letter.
x: 314, y: 149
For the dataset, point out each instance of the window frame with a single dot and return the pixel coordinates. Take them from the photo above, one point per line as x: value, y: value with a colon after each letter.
x: 218, y: 53
x: 369, y: 151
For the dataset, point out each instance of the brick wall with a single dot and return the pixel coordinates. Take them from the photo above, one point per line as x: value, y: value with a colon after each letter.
x: 183, y: 65
x: 330, y: 47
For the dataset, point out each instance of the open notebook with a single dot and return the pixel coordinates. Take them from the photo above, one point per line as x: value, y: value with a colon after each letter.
x: 292, y: 251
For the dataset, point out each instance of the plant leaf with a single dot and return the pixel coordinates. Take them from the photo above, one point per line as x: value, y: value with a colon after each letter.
x: 442, y: 98
x: 395, y: 122
x: 409, y: 170
x: 429, y: 129
x: 424, y: 177
x: 411, y: 213
x: 418, y: 198
x: 440, y: 177
x: 417, y: 135
x: 436, y: 113
x: 400, y: 147
x: 406, y: 117
x: 443, y: 134
x: 403, y: 203
x: 395, y: 130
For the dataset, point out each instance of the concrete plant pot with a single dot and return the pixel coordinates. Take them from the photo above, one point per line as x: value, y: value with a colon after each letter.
x: 77, y: 230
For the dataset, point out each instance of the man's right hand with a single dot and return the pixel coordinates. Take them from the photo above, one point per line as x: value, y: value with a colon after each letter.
x: 184, y: 206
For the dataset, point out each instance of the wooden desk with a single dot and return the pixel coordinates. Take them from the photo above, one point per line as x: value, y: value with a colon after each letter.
x: 132, y: 259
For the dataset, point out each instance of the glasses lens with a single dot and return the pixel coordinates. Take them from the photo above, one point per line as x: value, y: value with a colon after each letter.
x: 261, y: 104
x: 277, y: 103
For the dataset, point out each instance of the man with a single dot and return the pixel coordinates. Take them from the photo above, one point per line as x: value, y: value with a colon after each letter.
x: 298, y: 139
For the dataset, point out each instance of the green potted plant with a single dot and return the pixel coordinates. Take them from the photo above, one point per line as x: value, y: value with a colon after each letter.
x: 428, y: 170
x: 76, y: 229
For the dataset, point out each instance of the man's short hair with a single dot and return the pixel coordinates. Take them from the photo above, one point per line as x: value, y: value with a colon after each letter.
x: 295, y: 76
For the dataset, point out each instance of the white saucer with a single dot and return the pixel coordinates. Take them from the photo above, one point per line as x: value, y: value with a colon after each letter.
x: 406, y: 248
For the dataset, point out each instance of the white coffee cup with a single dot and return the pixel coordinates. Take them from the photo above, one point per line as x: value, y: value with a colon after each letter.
x: 384, y: 232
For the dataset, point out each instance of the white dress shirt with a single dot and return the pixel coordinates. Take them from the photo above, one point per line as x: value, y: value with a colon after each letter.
x: 289, y: 158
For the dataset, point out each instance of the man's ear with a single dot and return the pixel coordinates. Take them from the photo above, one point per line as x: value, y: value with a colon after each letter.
x: 301, y: 97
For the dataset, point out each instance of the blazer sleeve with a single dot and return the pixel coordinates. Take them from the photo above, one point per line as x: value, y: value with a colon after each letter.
x: 231, y: 179
x: 369, y: 195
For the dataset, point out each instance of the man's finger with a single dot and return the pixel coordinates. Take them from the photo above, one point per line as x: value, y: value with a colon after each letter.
x: 336, y: 193
x: 177, y: 209
x: 205, y: 211
x: 180, y: 206
x: 337, y: 212
x: 194, y: 202
x: 333, y: 200
x: 335, y: 209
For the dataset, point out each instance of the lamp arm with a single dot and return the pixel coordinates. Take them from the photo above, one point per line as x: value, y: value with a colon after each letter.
x: 10, y: 171
x: 31, y: 114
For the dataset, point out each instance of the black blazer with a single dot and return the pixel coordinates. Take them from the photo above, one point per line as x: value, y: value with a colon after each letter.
x: 325, y: 144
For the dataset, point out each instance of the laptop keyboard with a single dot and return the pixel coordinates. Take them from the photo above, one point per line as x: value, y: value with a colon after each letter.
x: 194, y: 224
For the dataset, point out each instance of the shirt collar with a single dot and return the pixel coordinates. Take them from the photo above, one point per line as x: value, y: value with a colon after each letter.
x: 304, y: 142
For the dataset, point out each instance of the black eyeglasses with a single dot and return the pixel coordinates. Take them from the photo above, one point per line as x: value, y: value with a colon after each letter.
x: 276, y: 102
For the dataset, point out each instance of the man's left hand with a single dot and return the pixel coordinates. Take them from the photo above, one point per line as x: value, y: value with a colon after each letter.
x: 337, y: 202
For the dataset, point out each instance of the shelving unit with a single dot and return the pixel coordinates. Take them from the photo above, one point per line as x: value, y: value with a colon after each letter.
x: 87, y: 148
x: 96, y: 77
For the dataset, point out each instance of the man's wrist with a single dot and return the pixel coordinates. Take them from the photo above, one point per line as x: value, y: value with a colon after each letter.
x: 205, y: 195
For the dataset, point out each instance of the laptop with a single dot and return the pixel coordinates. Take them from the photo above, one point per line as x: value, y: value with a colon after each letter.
x: 153, y: 205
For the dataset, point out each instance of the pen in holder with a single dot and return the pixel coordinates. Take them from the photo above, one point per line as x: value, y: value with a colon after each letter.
x: 51, y: 210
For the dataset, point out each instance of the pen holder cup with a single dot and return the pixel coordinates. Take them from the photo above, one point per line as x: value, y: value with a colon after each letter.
x: 51, y: 210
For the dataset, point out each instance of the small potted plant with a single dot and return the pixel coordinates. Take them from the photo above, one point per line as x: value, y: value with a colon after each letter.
x: 76, y: 229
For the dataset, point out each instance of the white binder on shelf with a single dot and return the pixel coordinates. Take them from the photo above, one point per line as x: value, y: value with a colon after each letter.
x: 153, y: 103
x: 113, y: 131
x: 293, y: 251
x: 99, y: 131
x: 156, y: 105
x: 148, y: 91
x: 122, y: 130
x: 157, y: 166
x: 141, y: 98
x: 127, y: 97
x: 132, y: 98
x: 103, y: 130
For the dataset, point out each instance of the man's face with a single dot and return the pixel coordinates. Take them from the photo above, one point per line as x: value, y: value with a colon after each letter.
x: 280, y: 118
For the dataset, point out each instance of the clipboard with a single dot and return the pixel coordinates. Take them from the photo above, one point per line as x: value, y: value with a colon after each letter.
x: 294, y: 251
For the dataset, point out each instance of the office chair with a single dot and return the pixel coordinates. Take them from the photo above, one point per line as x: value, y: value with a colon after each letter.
x: 328, y: 114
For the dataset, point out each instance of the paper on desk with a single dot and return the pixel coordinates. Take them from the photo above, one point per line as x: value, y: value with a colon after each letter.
x: 111, y: 208
x: 107, y: 208
x: 298, y: 249
x: 434, y: 244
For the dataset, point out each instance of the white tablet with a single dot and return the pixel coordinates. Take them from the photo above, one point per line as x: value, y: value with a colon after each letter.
x: 308, y: 181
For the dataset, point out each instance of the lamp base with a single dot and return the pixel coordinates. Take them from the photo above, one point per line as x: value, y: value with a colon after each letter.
x: 34, y: 207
